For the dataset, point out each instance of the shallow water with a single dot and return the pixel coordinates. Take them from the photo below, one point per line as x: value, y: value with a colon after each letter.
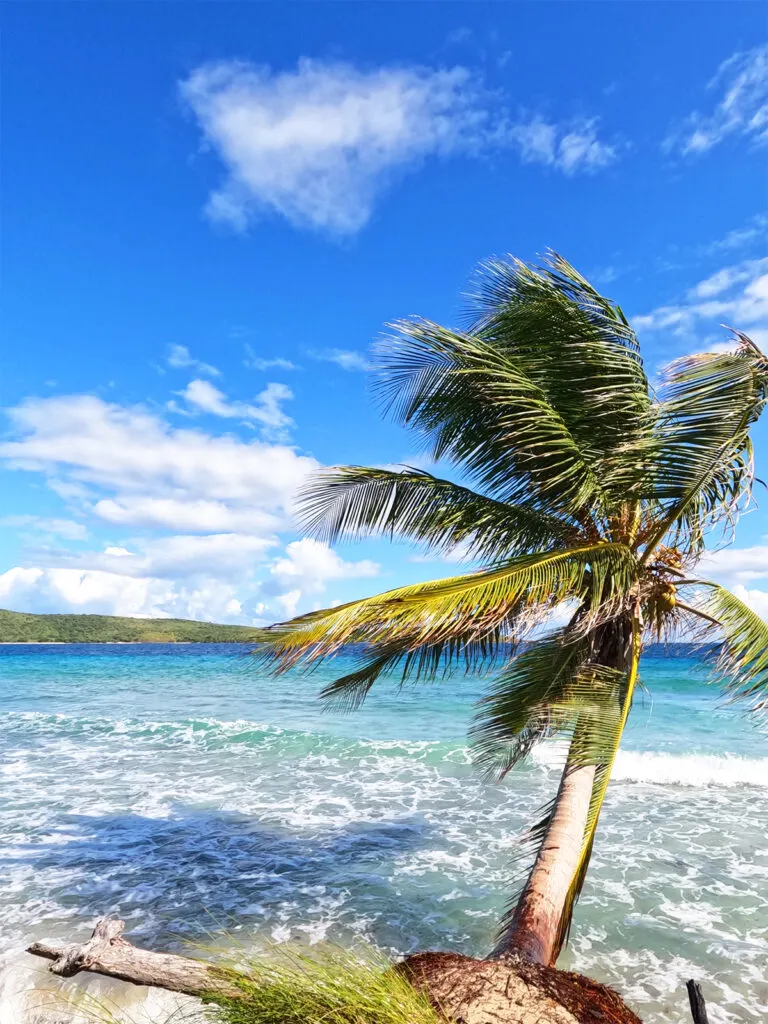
x: 201, y: 801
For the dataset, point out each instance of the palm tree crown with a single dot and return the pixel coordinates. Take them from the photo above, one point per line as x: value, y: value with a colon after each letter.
x: 590, y: 491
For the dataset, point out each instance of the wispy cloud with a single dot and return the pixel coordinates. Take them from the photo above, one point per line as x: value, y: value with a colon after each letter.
x: 66, y: 528
x: 568, y: 147
x: 755, y: 230
x: 266, y: 410
x: 180, y: 358
x: 342, y: 357
x: 738, y: 294
x: 254, y: 362
x: 742, y: 108
x: 319, y: 144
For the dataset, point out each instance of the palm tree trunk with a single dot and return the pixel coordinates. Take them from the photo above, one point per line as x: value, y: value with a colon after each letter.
x: 535, y: 927
x: 545, y: 905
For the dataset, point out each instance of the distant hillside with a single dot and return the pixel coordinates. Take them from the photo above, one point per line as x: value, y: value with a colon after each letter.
x: 20, y: 628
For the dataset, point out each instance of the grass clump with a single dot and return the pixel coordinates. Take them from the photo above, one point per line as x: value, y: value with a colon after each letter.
x: 327, y: 986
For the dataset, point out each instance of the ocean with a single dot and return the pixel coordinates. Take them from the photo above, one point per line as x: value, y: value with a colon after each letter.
x: 204, y: 802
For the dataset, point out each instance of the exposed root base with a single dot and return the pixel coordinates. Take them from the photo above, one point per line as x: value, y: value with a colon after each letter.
x: 512, y: 991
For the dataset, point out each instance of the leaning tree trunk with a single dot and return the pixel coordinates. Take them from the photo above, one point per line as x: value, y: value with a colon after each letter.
x: 540, y: 918
x: 535, y: 929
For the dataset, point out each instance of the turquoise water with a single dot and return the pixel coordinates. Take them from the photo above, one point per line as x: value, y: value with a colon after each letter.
x: 202, y: 801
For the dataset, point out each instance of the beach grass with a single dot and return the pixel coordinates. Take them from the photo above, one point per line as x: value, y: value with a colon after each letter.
x: 325, y: 985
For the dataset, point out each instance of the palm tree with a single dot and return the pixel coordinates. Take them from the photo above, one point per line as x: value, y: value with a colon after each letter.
x: 590, y: 492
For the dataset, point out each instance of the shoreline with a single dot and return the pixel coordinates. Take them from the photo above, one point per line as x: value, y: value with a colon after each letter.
x: 116, y: 643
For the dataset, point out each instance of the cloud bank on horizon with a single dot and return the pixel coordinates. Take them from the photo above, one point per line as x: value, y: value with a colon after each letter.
x: 227, y: 501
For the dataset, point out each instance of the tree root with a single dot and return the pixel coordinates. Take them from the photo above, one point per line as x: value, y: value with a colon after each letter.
x: 511, y: 990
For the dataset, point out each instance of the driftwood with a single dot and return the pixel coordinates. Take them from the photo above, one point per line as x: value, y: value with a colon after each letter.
x: 106, y: 952
x: 501, y: 991
x: 696, y: 999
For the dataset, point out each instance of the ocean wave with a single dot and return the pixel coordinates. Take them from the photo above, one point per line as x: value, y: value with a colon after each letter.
x: 191, y: 728
x: 217, y: 734
x: 632, y: 766
x: 662, y: 768
x: 691, y: 769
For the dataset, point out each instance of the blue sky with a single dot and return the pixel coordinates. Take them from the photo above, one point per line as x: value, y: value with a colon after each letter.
x: 211, y: 210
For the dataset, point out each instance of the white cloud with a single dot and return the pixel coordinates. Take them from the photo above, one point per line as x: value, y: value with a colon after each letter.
x: 126, y: 468
x: 307, y: 567
x: 342, y: 357
x: 227, y: 556
x: 736, y: 294
x: 203, y: 396
x: 180, y: 358
x: 188, y: 577
x: 733, y: 565
x: 756, y: 599
x: 254, y: 362
x: 755, y: 230
x: 82, y: 440
x: 736, y: 568
x: 724, y: 279
x: 67, y: 528
x: 569, y: 148
x: 742, y: 108
x: 102, y: 593
x: 195, y: 516
x: 318, y: 144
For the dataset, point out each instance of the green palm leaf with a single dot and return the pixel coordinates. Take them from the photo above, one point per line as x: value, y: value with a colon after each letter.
x: 574, y: 344
x: 356, y: 501
x: 698, y: 459
x: 742, y: 662
x: 410, y: 664
x: 528, y: 701
x: 475, y: 405
x: 472, y: 607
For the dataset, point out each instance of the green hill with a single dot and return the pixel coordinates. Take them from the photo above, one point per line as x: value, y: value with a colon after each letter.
x: 21, y: 628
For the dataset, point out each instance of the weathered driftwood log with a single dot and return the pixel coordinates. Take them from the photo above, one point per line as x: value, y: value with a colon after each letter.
x: 500, y: 991
x: 696, y: 999
x: 106, y: 952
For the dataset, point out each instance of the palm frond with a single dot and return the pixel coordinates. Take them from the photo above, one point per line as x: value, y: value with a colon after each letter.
x: 347, y: 502
x: 697, y: 461
x: 474, y: 405
x: 742, y: 661
x: 478, y: 606
x: 575, y: 344
x: 408, y: 664
x: 528, y: 701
